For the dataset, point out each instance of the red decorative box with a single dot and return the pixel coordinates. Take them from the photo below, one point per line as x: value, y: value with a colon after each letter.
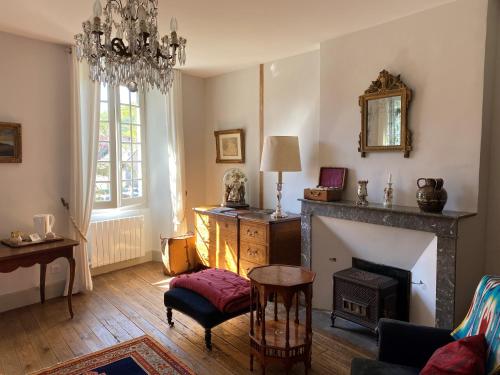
x: 330, y: 187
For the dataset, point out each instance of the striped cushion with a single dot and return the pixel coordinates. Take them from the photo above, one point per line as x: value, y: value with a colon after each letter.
x: 484, y: 317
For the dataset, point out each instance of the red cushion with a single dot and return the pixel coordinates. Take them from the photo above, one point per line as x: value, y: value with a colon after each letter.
x: 466, y: 356
x: 226, y: 290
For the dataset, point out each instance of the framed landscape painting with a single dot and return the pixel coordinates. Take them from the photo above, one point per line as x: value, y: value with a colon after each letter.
x: 10, y: 143
x: 230, y: 146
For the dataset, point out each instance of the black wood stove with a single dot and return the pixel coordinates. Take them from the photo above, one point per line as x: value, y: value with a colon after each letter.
x: 367, y: 292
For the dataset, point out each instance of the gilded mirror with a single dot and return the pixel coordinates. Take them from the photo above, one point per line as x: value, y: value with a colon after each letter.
x: 384, y: 116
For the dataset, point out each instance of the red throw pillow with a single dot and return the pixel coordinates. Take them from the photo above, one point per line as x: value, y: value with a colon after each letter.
x: 466, y: 356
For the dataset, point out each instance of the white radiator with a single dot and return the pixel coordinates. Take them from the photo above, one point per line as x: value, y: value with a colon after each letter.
x: 116, y: 240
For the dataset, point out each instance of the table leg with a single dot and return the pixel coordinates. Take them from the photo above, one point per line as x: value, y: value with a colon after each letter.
x: 71, y: 281
x: 43, y: 271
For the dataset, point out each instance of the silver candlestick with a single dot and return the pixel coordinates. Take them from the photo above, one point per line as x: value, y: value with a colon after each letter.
x: 388, y: 195
x: 362, y: 193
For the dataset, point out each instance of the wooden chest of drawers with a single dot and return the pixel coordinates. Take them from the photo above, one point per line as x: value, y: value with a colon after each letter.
x: 238, y: 240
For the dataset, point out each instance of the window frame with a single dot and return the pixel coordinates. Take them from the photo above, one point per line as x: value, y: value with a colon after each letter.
x: 114, y: 119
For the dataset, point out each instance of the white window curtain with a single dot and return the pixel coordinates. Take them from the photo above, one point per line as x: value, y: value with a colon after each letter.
x: 84, y: 145
x: 175, y: 146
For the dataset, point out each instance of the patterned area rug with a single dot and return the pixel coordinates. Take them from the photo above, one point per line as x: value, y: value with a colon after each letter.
x: 139, y: 356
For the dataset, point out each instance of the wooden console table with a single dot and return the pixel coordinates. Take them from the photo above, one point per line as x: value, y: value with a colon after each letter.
x: 277, y: 340
x: 42, y: 254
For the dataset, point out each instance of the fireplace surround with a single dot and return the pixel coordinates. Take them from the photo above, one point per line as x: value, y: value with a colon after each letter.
x: 443, y: 225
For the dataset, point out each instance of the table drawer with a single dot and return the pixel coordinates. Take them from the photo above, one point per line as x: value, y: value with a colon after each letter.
x: 246, y: 267
x: 227, y: 226
x: 253, y: 233
x: 253, y: 252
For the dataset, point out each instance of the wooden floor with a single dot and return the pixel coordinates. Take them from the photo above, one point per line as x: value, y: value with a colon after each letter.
x: 127, y: 304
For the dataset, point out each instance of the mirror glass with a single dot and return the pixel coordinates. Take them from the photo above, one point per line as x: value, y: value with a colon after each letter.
x: 384, y: 121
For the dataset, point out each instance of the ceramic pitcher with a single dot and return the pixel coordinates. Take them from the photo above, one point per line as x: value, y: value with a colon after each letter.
x: 431, y: 196
x: 43, y: 224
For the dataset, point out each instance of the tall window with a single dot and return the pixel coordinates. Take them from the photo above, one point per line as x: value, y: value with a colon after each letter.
x: 120, y: 166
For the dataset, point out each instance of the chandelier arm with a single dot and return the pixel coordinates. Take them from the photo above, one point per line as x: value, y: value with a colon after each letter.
x: 119, y: 47
x: 118, y: 3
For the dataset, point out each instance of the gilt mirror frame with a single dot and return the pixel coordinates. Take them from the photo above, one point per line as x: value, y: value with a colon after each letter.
x: 386, y: 86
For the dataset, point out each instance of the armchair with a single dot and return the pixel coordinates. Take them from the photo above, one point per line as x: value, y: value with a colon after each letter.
x: 404, y: 348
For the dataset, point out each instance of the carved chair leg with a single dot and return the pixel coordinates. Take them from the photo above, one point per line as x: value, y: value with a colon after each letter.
x: 169, y: 317
x: 208, y: 338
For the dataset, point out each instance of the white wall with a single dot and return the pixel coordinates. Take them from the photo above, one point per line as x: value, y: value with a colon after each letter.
x: 492, y: 200
x: 35, y: 91
x: 291, y: 107
x: 232, y: 101
x: 442, y: 62
x: 445, y: 116
x: 193, y: 92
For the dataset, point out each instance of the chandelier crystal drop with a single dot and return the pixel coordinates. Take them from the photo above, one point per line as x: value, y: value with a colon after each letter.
x: 122, y: 45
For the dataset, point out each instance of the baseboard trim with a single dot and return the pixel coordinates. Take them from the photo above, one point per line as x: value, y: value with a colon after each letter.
x: 30, y: 296
x: 150, y: 256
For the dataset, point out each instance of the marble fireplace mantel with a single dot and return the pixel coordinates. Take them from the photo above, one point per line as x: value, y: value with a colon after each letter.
x: 444, y: 226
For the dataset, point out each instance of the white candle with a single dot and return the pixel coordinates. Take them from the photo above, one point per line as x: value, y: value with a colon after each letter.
x: 390, y: 178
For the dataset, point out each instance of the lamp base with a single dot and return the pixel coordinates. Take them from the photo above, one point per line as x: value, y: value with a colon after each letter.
x: 278, y: 215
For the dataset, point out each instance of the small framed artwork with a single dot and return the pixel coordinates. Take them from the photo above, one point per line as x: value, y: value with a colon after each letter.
x: 230, y: 146
x: 10, y: 143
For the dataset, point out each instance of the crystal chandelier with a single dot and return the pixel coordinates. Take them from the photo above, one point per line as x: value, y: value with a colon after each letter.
x: 122, y: 45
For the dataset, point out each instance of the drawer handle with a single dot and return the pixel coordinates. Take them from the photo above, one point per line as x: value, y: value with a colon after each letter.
x: 251, y: 252
x: 251, y: 233
x: 315, y: 193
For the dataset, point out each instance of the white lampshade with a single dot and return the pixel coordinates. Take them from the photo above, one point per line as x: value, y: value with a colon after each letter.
x: 281, y: 154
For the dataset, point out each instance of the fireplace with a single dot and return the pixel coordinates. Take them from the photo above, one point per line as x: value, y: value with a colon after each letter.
x: 368, y: 291
x: 445, y: 226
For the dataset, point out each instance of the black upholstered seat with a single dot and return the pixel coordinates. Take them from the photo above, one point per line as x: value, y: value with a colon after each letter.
x: 197, y: 307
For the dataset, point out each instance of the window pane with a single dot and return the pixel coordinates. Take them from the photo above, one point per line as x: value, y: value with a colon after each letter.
x: 137, y: 188
x: 136, y: 134
x: 127, y: 171
x: 137, y: 171
x: 103, y: 192
x: 124, y: 95
x: 126, y: 189
x: 135, y: 116
x: 103, y: 171
x: 104, y: 93
x: 136, y: 152
x: 103, y: 153
x: 134, y: 98
x: 126, y: 152
x: 104, y: 131
x: 104, y: 112
x: 125, y: 114
x: 126, y: 133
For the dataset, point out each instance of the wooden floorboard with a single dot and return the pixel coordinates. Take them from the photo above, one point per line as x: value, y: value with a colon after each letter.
x: 129, y: 303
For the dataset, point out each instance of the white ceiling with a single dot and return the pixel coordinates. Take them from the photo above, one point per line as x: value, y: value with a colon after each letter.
x: 223, y: 35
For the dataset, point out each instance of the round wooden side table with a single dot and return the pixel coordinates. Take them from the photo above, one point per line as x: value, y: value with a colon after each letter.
x: 274, y: 340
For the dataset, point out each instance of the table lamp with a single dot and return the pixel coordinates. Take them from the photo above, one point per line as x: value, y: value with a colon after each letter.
x: 280, y: 154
